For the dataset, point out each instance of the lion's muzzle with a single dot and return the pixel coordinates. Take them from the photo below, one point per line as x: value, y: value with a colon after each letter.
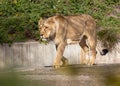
x: 43, y: 38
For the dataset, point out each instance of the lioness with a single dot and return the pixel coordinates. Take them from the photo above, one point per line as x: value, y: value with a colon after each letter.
x: 73, y: 29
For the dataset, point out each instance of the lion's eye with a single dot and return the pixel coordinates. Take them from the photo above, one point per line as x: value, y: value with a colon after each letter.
x: 46, y: 27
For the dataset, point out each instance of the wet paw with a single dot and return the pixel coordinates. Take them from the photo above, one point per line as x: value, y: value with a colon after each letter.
x: 56, y: 66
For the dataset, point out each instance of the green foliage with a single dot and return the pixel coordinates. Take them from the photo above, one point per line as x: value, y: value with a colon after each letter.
x: 109, y: 38
x: 18, y: 18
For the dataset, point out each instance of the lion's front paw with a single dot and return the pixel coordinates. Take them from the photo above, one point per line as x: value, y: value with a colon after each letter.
x: 56, y: 65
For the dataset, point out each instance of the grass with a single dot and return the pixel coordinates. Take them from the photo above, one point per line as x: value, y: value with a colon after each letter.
x: 18, y: 18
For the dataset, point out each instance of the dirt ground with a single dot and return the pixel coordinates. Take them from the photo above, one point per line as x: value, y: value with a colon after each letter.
x: 73, y: 75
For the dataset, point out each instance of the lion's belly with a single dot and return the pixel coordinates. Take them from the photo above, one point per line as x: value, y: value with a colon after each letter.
x: 74, y: 39
x: 70, y: 41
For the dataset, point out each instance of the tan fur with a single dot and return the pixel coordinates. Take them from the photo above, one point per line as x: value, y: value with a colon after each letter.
x: 74, y: 29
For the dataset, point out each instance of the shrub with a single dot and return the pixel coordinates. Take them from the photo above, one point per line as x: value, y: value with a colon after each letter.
x: 18, y: 18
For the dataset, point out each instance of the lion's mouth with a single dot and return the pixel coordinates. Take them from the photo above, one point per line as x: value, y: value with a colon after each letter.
x: 44, y: 39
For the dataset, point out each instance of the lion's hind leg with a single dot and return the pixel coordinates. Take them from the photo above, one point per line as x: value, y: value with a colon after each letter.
x: 92, y: 50
x: 84, y: 54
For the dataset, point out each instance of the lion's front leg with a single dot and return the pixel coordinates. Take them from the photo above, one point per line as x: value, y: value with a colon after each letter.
x: 60, y: 50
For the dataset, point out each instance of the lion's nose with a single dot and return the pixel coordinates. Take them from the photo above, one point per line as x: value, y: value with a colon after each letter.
x: 41, y: 34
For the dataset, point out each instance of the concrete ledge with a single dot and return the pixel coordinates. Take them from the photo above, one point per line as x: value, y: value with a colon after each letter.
x: 26, y: 54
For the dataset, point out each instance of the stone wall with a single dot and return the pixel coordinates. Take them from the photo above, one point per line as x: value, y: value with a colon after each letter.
x: 26, y: 54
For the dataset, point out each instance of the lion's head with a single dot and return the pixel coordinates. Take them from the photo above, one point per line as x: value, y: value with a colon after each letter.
x: 46, y: 28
